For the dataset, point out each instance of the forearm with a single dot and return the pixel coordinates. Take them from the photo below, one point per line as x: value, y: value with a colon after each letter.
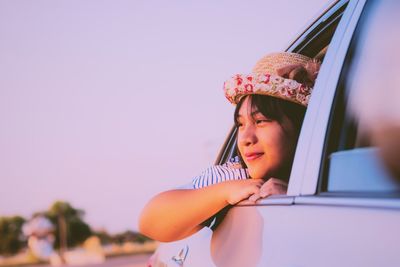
x: 175, y: 214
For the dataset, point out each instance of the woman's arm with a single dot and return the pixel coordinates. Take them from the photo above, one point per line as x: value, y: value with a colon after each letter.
x: 176, y: 214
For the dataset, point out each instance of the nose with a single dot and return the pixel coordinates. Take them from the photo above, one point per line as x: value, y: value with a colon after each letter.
x: 247, y: 135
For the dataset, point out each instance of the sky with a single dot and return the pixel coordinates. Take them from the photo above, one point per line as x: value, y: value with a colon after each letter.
x: 105, y: 103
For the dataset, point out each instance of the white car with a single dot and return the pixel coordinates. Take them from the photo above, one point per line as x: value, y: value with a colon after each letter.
x: 342, y: 207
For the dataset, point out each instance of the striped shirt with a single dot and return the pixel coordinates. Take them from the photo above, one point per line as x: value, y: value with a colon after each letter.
x: 231, y: 170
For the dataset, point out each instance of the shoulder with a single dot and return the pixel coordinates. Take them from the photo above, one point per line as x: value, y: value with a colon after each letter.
x: 231, y: 170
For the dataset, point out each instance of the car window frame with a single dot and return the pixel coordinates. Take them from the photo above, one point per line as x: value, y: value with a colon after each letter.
x: 310, y: 193
x: 343, y: 137
x: 305, y: 171
x: 312, y: 32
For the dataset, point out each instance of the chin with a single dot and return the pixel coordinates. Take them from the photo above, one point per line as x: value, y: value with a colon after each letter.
x: 258, y: 174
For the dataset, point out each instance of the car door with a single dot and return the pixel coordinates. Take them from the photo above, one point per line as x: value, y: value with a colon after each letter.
x: 239, y: 240
x: 342, y: 208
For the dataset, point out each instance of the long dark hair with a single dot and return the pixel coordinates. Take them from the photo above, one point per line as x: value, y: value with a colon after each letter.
x: 275, y: 109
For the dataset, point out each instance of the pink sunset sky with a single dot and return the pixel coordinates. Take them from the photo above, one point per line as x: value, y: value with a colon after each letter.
x: 105, y: 103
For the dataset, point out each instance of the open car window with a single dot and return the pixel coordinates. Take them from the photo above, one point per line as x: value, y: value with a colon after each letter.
x: 313, y: 42
x: 351, y: 166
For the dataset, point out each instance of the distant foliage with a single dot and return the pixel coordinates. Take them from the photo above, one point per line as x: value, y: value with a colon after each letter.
x: 130, y: 236
x: 120, y: 238
x: 77, y: 229
x: 11, y: 238
x: 105, y: 238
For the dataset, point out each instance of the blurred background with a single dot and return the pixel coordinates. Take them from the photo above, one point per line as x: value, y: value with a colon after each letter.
x: 103, y: 104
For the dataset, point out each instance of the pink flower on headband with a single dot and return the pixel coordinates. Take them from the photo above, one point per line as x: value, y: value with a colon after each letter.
x: 266, y: 84
x: 265, y: 78
x: 304, y: 90
x: 238, y: 79
x: 291, y: 92
x: 283, y: 91
x: 248, y: 87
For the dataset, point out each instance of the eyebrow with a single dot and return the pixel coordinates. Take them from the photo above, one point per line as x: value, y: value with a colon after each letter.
x: 252, y: 114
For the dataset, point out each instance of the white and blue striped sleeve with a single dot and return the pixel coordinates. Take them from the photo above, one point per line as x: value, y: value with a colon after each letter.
x: 232, y: 170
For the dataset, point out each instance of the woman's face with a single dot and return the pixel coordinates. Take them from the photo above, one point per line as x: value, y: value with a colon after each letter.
x: 266, y: 148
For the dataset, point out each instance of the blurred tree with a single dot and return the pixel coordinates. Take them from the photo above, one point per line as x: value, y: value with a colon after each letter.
x: 105, y: 238
x: 130, y: 236
x: 70, y: 228
x: 11, y: 238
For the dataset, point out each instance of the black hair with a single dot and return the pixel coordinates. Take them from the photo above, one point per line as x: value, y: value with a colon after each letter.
x: 275, y: 109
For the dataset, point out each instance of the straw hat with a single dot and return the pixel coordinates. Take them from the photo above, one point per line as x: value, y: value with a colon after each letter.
x: 284, y: 75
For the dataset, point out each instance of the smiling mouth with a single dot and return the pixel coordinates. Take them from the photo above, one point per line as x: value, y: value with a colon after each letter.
x: 253, y: 156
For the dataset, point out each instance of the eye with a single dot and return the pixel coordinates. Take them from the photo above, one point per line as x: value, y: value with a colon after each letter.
x: 259, y: 119
x: 262, y: 120
x: 239, y: 124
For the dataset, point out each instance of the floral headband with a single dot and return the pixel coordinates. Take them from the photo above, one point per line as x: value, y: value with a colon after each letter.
x: 269, y: 77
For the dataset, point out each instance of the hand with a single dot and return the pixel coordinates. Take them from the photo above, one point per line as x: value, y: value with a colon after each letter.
x: 238, y: 190
x: 271, y: 187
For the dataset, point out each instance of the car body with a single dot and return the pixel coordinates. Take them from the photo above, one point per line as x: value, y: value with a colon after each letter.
x: 342, y: 207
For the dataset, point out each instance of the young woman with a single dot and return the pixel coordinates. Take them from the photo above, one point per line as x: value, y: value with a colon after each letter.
x: 271, y: 103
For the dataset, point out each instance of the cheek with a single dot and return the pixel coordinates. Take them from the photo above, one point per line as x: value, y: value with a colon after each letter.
x: 288, y: 147
x: 280, y: 146
x: 290, y: 136
x: 240, y: 145
x: 274, y: 139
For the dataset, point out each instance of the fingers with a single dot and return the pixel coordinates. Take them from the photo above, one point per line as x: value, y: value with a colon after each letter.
x: 285, y: 71
x: 243, y: 189
x: 254, y: 192
x: 276, y: 181
x: 256, y: 184
x: 276, y: 190
x: 263, y: 189
x: 273, y: 187
x: 256, y: 196
x: 255, y: 189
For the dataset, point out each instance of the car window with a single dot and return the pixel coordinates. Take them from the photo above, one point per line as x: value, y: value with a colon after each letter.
x: 350, y: 164
x: 319, y: 35
x: 314, y: 41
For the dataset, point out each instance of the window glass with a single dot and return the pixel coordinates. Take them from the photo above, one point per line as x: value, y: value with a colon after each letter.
x: 351, y: 162
x: 313, y: 43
